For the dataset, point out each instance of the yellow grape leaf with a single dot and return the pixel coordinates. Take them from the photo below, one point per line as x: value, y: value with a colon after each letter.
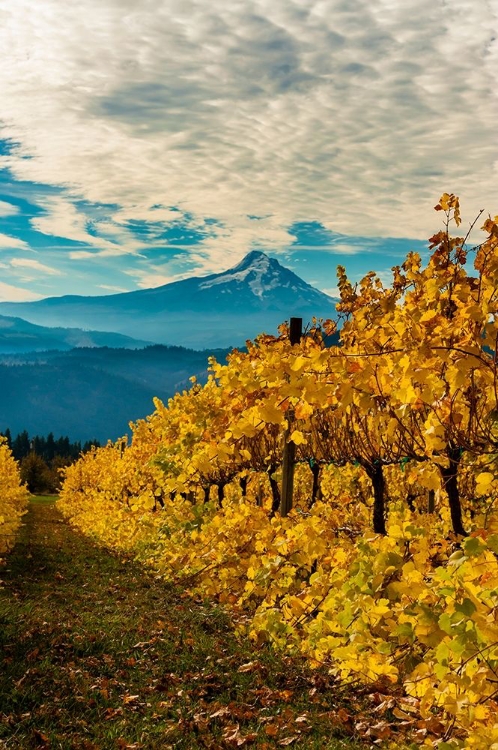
x: 484, y: 482
x: 271, y: 413
x: 303, y: 410
x: 299, y: 363
x: 428, y: 316
x: 392, y: 426
x: 296, y: 606
x: 298, y: 438
x: 435, y: 439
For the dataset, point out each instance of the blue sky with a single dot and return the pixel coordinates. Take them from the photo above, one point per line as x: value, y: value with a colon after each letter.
x: 141, y: 143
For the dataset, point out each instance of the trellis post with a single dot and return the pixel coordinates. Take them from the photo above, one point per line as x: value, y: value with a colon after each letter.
x: 289, y: 449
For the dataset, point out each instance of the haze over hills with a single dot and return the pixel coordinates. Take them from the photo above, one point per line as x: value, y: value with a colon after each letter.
x: 20, y: 336
x: 92, y: 393
x: 221, y: 310
x: 76, y: 382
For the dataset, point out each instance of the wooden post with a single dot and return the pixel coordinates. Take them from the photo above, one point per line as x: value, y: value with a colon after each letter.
x: 275, y: 490
x: 450, y: 484
x: 431, y: 502
x: 288, y: 460
x: 289, y: 449
x: 295, y: 330
x: 259, y: 494
x: 376, y: 476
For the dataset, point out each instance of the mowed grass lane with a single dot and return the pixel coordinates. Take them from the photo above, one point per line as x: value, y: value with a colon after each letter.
x: 97, y: 653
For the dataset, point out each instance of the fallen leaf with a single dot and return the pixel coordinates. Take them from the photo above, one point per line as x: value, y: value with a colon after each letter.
x: 271, y: 730
x: 343, y: 715
x: 130, y: 699
x: 41, y: 739
x: 251, y: 666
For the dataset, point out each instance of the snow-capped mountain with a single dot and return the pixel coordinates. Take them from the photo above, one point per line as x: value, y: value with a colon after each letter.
x: 261, y: 274
x: 223, y: 309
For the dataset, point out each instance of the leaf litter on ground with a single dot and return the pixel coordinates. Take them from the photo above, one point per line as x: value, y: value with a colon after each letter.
x: 98, y: 654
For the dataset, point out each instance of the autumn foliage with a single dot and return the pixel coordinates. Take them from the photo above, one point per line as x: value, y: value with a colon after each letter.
x: 13, y: 498
x: 385, y: 570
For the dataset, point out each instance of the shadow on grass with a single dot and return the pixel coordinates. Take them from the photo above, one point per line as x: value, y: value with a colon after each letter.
x: 98, y: 654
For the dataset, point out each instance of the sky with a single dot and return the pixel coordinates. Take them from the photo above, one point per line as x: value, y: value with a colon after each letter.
x: 145, y: 141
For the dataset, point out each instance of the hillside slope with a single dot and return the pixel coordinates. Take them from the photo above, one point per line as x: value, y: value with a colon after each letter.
x: 87, y: 393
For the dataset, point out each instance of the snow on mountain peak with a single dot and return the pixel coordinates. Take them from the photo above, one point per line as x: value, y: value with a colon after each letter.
x: 255, y: 269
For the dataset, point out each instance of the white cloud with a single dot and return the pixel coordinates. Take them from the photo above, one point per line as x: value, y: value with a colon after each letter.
x: 12, y: 243
x: 154, y: 276
x: 155, y: 214
x: 332, y: 291
x: 9, y: 293
x: 342, y: 248
x: 8, y: 209
x: 81, y: 254
x: 35, y: 265
x: 62, y: 218
x: 110, y: 288
x: 358, y: 115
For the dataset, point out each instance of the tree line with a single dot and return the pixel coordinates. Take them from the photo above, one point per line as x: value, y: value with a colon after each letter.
x: 41, y: 458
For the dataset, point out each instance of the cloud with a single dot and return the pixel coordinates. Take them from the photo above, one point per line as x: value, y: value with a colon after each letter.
x: 9, y: 293
x: 154, y: 276
x: 7, y: 209
x: 35, y: 265
x: 81, y: 254
x: 116, y: 289
x: 357, y: 115
x: 337, y: 248
x: 63, y: 218
x: 154, y: 214
x: 332, y: 291
x: 12, y: 243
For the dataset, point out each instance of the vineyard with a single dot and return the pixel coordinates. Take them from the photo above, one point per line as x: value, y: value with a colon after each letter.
x: 340, y: 501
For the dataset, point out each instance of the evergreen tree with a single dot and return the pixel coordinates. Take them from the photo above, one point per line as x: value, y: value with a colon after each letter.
x: 21, y: 445
x: 35, y: 474
x: 50, y: 447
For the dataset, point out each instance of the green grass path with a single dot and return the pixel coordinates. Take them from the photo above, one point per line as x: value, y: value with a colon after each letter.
x: 96, y: 653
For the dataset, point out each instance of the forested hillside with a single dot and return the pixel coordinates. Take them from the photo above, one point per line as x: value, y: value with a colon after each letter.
x: 92, y: 393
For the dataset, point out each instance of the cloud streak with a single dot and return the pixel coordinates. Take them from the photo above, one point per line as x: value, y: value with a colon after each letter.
x: 35, y: 265
x: 7, y: 209
x: 10, y: 293
x: 12, y: 243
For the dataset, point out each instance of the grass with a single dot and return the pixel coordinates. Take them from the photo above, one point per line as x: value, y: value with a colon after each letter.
x: 98, y: 654
x: 43, y: 499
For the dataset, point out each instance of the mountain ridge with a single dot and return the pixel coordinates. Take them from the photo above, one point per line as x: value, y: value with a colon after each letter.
x: 20, y: 336
x: 221, y: 309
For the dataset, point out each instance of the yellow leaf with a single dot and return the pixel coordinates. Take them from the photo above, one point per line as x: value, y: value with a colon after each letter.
x: 484, y: 482
x: 271, y: 413
x: 299, y: 363
x: 298, y: 438
x: 303, y: 410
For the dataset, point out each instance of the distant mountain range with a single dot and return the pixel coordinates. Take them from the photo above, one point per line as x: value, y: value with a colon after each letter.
x: 221, y: 310
x: 86, y: 382
x: 17, y: 335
